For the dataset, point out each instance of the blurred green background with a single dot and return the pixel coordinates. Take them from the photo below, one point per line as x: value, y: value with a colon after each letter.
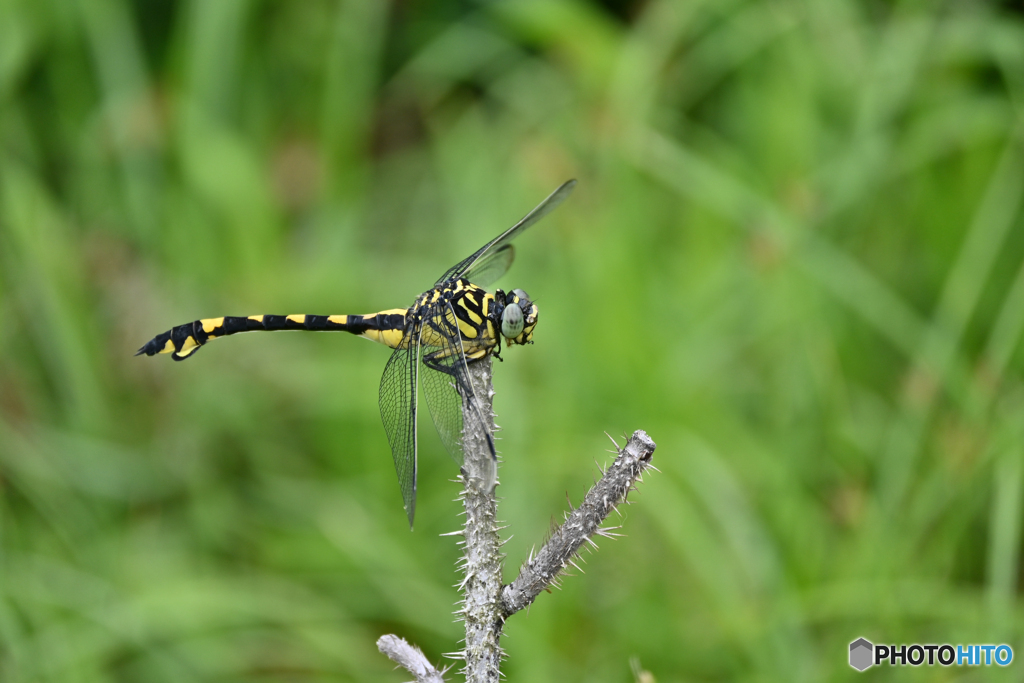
x: 795, y: 257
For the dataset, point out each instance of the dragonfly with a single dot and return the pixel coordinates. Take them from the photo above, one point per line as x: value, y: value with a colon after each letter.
x: 452, y: 324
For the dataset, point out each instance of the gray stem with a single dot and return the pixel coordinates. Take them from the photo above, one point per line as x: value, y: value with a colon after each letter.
x: 541, y: 570
x: 410, y: 658
x: 482, y: 559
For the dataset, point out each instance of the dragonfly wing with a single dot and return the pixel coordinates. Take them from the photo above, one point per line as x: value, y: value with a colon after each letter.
x: 492, y: 265
x: 447, y: 386
x: 398, y: 408
x: 445, y: 379
x: 468, y: 266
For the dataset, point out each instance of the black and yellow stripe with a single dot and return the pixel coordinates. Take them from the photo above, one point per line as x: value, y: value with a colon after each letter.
x: 385, y: 327
x: 473, y: 308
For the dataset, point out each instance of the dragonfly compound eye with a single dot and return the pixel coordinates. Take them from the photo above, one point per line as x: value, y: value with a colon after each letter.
x: 512, y: 321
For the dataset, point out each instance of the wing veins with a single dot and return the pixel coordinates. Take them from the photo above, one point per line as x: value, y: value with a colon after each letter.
x: 466, y: 267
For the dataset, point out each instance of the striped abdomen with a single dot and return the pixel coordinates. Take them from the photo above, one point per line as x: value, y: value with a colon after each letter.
x: 385, y: 327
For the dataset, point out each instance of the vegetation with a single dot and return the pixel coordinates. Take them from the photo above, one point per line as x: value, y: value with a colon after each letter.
x: 795, y: 258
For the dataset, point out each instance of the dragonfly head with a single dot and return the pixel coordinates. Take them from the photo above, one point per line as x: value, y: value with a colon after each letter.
x: 518, y: 316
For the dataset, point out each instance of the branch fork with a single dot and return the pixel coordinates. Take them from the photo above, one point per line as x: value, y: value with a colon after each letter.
x: 486, y: 603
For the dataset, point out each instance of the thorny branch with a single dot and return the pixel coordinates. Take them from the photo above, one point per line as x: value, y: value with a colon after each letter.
x: 542, y: 569
x: 486, y: 604
x: 410, y: 658
x: 481, y: 558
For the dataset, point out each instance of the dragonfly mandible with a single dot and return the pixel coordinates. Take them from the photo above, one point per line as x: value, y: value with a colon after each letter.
x: 453, y: 323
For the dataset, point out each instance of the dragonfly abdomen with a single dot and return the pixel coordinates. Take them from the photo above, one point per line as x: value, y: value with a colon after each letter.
x: 385, y: 327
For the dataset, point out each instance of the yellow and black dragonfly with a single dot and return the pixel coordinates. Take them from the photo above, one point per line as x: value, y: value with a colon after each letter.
x: 454, y: 323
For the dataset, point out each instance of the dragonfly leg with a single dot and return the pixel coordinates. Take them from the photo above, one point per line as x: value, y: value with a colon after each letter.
x: 464, y: 387
x: 436, y: 361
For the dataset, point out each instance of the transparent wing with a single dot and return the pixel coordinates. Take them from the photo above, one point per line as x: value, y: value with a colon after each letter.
x: 445, y: 379
x: 468, y: 267
x: 492, y: 265
x: 398, y: 411
x: 446, y: 383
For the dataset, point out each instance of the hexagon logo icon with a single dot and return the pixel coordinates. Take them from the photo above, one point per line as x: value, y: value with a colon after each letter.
x: 860, y: 654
